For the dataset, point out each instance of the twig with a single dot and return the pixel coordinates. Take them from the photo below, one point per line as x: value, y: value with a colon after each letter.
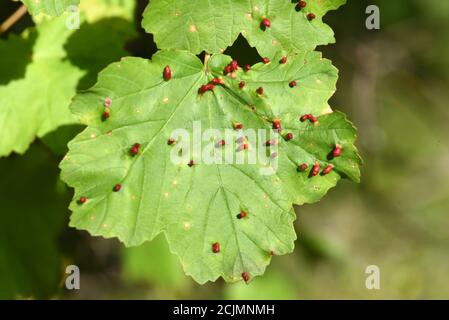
x: 19, y: 13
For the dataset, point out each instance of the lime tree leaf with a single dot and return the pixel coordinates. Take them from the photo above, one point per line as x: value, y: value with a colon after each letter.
x: 33, y: 210
x: 49, y: 7
x: 214, y: 25
x: 197, y: 205
x: 60, y: 62
x: 37, y: 104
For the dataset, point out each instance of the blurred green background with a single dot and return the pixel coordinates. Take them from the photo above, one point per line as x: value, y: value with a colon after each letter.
x: 394, y: 85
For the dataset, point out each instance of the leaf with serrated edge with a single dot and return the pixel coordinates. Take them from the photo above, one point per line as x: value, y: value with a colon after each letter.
x: 49, y: 7
x: 197, y: 206
x: 37, y: 103
x: 213, y: 26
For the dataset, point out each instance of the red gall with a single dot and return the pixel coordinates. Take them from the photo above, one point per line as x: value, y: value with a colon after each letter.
x: 167, y: 73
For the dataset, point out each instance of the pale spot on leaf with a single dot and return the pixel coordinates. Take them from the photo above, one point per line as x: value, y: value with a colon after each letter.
x: 187, y: 225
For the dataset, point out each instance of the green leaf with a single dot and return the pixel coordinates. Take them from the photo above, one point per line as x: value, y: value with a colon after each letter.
x: 32, y: 214
x: 213, y: 26
x: 197, y: 206
x: 49, y: 7
x: 60, y: 62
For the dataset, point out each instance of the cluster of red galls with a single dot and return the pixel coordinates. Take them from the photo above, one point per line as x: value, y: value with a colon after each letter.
x: 336, y: 152
x: 216, y: 245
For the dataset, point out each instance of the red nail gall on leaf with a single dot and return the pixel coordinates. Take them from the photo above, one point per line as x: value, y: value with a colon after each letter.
x: 283, y: 60
x: 242, y: 214
x: 167, y: 73
x: 337, y: 151
x: 217, y: 81
x: 259, y: 91
x: 228, y: 69
x: 309, y: 117
x: 216, y: 247
x: 117, y: 187
x: 82, y: 200
x: 247, y: 67
x: 242, y: 84
x: 265, y: 60
x: 191, y: 163
x: 292, y: 84
x: 243, y: 146
x: 245, y: 276
x: 327, y: 169
x: 234, y: 65
x: 265, y: 23
x: 135, y: 149
x: 311, y: 16
x: 315, y: 170
x: 220, y: 143
x: 106, y: 114
x: 107, y: 102
x: 288, y: 136
x: 301, y: 5
x: 277, y: 124
x: 238, y: 126
x: 206, y: 87
x: 303, y: 167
